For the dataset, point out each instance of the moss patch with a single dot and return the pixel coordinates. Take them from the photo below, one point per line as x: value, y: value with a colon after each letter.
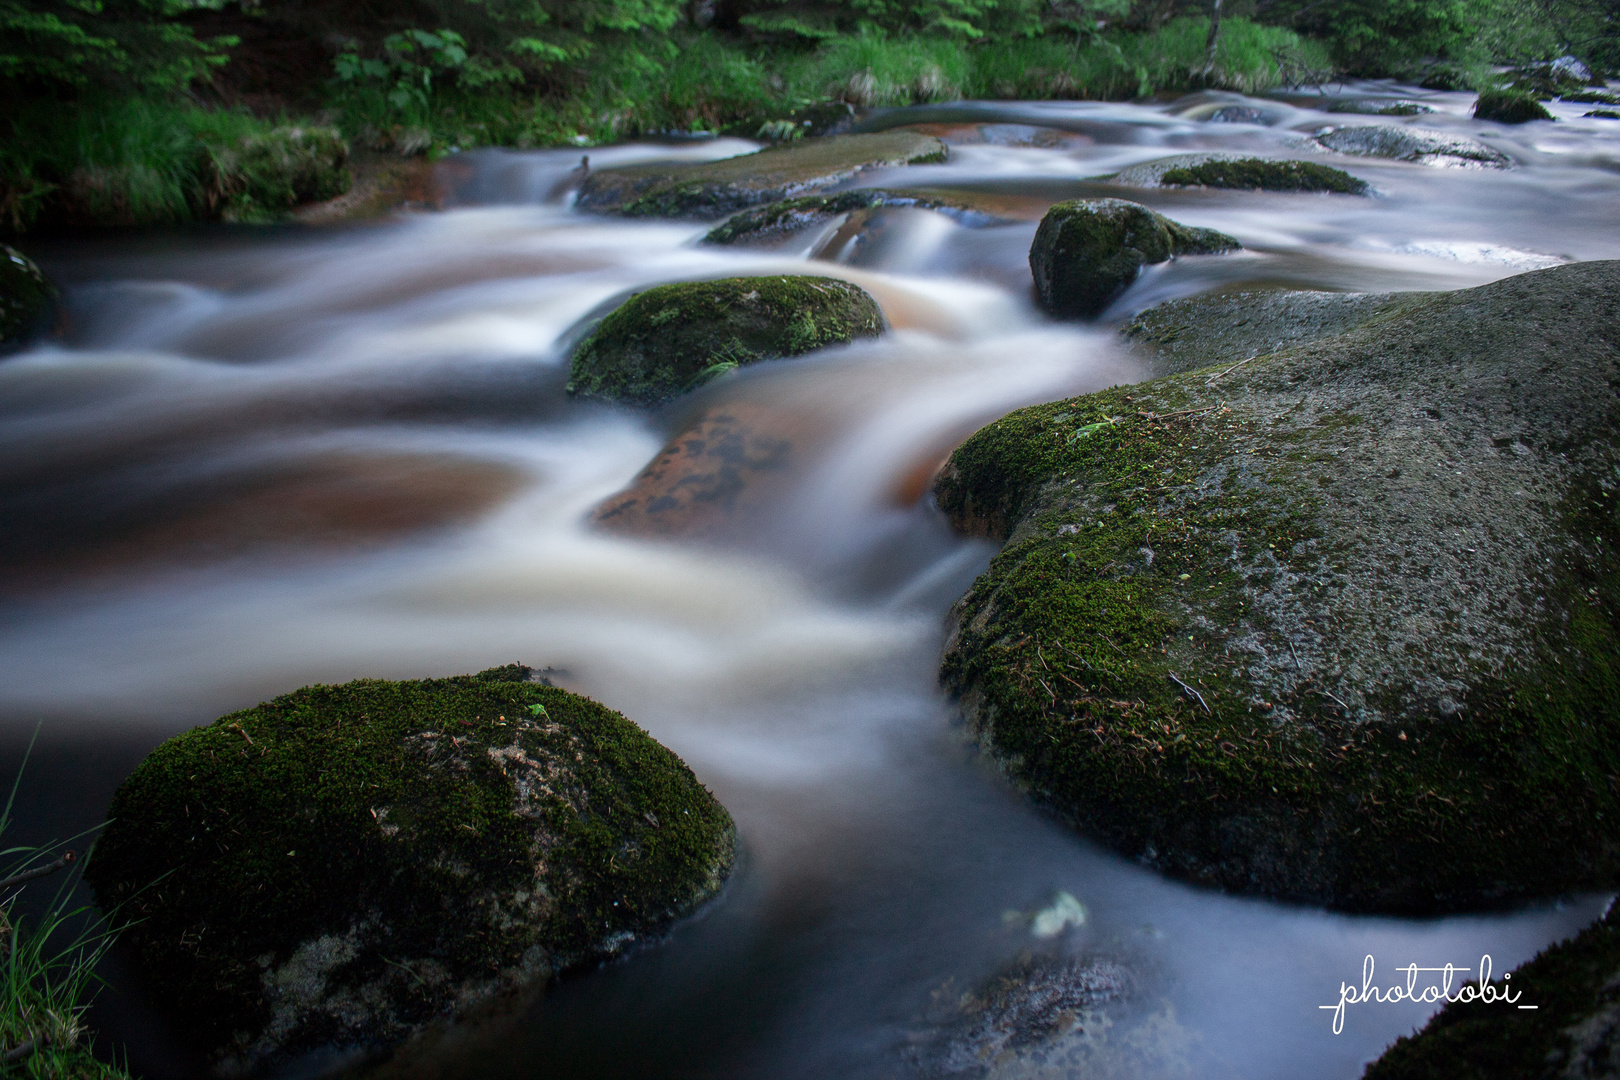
x: 1088, y: 251
x: 260, y: 177
x: 674, y: 338
x: 27, y: 298
x: 1509, y: 107
x: 1575, y: 986
x: 1259, y: 174
x: 1338, y: 625
x: 714, y: 189
x: 342, y: 864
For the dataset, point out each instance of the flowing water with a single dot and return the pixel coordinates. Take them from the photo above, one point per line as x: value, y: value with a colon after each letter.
x: 260, y: 461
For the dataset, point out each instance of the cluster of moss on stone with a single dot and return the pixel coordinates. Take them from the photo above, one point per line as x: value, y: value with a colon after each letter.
x: 392, y: 805
x: 674, y: 338
x: 1259, y: 174
x: 26, y: 298
x: 1144, y: 522
x: 1509, y: 107
x: 1571, y: 1031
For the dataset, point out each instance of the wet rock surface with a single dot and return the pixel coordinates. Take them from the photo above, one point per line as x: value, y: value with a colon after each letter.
x: 1413, y: 144
x: 675, y: 338
x: 1088, y: 251
x: 1509, y: 107
x: 710, y: 190
x: 1337, y: 625
x: 333, y: 870
x: 27, y: 299
x: 1234, y: 172
x: 1572, y: 1031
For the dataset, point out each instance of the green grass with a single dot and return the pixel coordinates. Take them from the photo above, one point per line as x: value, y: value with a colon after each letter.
x: 47, y: 965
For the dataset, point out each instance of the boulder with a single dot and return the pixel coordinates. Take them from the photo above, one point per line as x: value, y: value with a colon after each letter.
x: 1509, y: 107
x: 1601, y: 114
x: 1088, y: 251
x: 1337, y: 625
x: 27, y: 299
x: 713, y: 189
x: 1258, y: 174
x: 333, y: 870
x: 1591, y: 97
x: 1226, y: 328
x: 1413, y: 144
x: 674, y: 338
x: 1573, y: 1029
x: 1378, y: 107
x: 779, y: 220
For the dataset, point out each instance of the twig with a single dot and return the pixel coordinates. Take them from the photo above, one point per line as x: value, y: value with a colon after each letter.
x: 1228, y: 371
x: 24, y: 1050
x: 1330, y: 697
x: 1191, y: 691
x: 1152, y: 416
x: 1297, y: 665
x: 39, y: 871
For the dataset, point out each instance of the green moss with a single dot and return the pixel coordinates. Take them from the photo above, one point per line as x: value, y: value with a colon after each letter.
x: 262, y: 175
x: 1134, y: 654
x: 27, y: 298
x: 465, y: 832
x: 1088, y: 251
x: 673, y: 338
x: 1509, y: 107
x: 1570, y: 1032
x: 1258, y: 174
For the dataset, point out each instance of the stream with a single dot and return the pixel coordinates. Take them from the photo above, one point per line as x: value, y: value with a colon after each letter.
x: 266, y: 458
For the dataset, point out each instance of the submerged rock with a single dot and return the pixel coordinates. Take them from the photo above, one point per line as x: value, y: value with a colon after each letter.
x: 334, y: 869
x: 714, y: 189
x: 1591, y: 97
x: 1258, y: 174
x: 1379, y: 107
x: 1509, y: 107
x: 1413, y: 144
x: 675, y: 338
x: 779, y: 220
x: 1336, y: 625
x: 1601, y: 114
x: 1572, y: 1031
x: 27, y: 299
x: 1088, y: 251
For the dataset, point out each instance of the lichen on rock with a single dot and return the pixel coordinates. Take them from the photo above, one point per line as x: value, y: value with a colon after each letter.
x: 1338, y: 624
x: 1088, y: 251
x: 342, y: 865
x: 27, y: 299
x: 674, y: 338
x: 713, y: 189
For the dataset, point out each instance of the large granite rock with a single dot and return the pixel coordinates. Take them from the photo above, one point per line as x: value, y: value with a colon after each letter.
x: 1088, y: 251
x: 1417, y: 145
x: 713, y: 189
x: 336, y: 868
x: 674, y: 338
x: 1336, y: 625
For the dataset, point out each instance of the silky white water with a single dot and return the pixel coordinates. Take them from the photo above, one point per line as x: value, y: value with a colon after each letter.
x: 260, y: 460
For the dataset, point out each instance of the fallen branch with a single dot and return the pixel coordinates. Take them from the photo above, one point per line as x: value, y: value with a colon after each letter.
x: 1191, y: 691
x: 38, y: 871
x: 1228, y: 371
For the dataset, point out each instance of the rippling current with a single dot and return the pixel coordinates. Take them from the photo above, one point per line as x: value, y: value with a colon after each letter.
x: 263, y: 459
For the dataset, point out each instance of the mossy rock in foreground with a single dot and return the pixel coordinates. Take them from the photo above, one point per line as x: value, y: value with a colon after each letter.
x: 1572, y: 1031
x: 675, y: 338
x: 1260, y: 174
x: 27, y: 299
x: 1337, y: 625
x: 713, y: 189
x: 342, y: 865
x: 1088, y: 251
x: 1509, y: 107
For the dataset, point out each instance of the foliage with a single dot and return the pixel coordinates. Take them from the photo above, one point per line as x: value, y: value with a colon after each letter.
x: 66, y: 44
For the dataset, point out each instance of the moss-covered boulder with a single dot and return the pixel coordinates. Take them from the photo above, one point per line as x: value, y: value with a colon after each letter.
x: 675, y: 338
x: 1416, y: 145
x: 1509, y: 107
x: 1336, y: 625
x: 1591, y: 97
x: 1088, y: 251
x: 342, y: 865
x: 1601, y: 114
x: 1573, y: 1030
x: 779, y: 220
x: 27, y: 299
x: 713, y: 189
x: 1259, y: 174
